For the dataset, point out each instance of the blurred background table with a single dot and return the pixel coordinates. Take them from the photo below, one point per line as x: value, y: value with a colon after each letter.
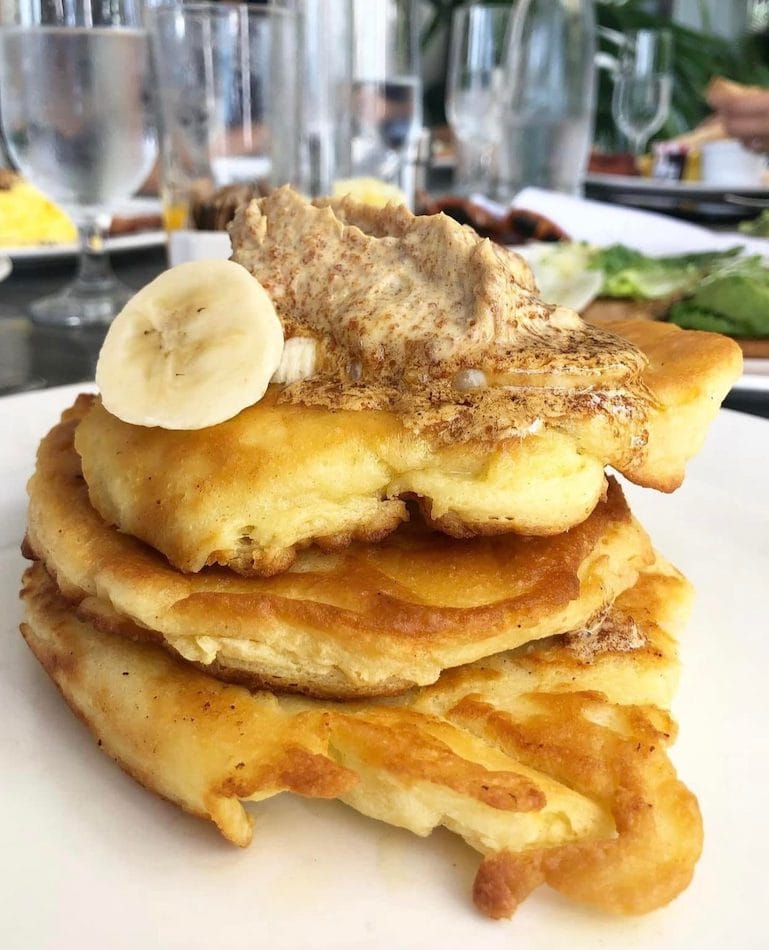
x: 35, y: 357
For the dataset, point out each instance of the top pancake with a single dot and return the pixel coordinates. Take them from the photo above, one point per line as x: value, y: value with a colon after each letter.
x: 251, y: 492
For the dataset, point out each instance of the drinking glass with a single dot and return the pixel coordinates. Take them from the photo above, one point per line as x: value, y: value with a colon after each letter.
x: 78, y: 121
x: 548, y: 96
x: 473, y: 90
x: 641, y: 99
x: 324, y: 100
x: 227, y: 91
x: 386, y: 91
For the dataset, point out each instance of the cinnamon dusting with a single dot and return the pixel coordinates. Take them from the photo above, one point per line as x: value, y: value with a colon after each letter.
x: 400, y: 304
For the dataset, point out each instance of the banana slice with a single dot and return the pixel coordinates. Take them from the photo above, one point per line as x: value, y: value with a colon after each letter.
x: 298, y: 360
x: 191, y: 349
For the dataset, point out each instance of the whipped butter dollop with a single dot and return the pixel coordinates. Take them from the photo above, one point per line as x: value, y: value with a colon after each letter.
x: 402, y: 306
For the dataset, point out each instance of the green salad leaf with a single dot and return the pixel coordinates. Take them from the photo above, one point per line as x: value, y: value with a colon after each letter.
x: 758, y: 227
x: 720, y: 291
x: 733, y: 300
x: 629, y: 273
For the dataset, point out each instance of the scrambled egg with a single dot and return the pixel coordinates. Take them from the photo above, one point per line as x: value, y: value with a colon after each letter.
x: 27, y: 217
x: 369, y: 191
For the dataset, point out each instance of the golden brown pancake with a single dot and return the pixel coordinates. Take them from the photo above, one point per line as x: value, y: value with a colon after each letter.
x: 626, y: 653
x: 369, y: 620
x: 251, y: 492
x: 566, y: 787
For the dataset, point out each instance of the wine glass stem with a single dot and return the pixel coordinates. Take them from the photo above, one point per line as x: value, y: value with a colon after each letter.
x: 637, y: 144
x: 94, y: 270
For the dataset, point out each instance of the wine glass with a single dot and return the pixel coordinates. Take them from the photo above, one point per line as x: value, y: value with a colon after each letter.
x: 473, y: 105
x: 642, y: 85
x: 78, y: 122
x: 386, y: 91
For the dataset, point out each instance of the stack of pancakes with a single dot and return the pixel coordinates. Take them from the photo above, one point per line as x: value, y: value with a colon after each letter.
x: 342, y: 597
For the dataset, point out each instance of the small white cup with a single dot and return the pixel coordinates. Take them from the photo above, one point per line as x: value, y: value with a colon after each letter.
x: 186, y: 246
x: 727, y: 162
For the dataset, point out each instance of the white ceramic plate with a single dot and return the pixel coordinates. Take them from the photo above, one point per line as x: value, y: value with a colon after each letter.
x: 125, y: 242
x: 689, y: 189
x: 755, y: 376
x: 90, y: 860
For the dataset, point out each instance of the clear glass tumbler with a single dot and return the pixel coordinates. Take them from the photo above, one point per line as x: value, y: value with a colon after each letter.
x: 227, y: 90
x: 473, y: 92
x: 548, y: 98
x: 386, y: 91
x: 79, y: 122
x: 325, y: 66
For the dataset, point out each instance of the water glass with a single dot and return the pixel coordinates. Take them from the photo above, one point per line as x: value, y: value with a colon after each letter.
x: 325, y: 65
x: 548, y: 96
x: 227, y: 89
x: 642, y: 84
x: 78, y: 119
x: 386, y: 92
x: 473, y: 90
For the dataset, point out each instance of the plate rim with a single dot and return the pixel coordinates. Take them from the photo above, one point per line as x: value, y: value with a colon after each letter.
x: 118, y: 244
x: 671, y: 188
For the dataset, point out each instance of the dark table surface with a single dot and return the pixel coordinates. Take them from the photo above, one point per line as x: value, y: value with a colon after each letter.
x: 34, y: 357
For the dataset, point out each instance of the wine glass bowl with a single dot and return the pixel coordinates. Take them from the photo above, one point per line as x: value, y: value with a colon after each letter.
x: 78, y: 119
x: 642, y: 86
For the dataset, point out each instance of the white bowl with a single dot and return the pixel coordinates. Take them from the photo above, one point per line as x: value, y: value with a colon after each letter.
x: 727, y: 162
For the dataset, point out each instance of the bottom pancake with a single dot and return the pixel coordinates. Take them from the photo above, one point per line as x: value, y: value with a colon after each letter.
x: 549, y: 779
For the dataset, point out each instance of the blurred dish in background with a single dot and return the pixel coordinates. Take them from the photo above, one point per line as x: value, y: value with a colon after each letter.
x: 27, y: 217
x: 34, y: 233
x: 5, y: 267
x: 722, y: 291
x: 512, y: 226
x: 689, y: 199
x: 369, y: 191
x: 612, y: 163
x: 38, y: 254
